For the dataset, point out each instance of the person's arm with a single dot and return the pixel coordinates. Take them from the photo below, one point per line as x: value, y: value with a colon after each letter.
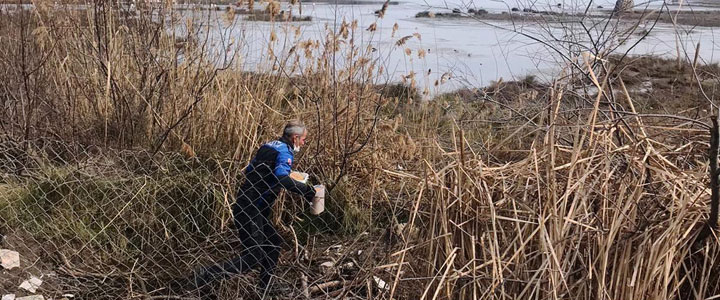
x: 282, y: 171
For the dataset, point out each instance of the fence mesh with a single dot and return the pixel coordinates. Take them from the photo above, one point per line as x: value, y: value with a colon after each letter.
x: 103, y: 224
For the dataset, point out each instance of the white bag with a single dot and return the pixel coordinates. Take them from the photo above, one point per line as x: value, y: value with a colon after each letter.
x: 318, y: 203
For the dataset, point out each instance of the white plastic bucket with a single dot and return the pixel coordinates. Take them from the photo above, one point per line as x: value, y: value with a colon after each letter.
x: 318, y: 203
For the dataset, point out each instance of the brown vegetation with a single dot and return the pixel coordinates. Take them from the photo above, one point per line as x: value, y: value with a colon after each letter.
x: 520, y: 190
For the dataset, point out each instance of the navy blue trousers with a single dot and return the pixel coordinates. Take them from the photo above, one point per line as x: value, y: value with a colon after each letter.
x: 261, y: 244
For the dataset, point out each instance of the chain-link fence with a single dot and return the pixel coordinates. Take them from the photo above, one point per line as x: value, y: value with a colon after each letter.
x: 93, y: 223
x: 80, y: 222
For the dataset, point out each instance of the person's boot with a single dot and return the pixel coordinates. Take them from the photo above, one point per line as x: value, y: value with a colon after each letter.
x: 197, y: 279
x: 200, y: 278
x: 270, y: 287
x: 264, y: 287
x: 206, y: 293
x: 204, y: 283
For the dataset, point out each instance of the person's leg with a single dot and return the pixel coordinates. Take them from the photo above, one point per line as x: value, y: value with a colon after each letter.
x: 271, y: 248
x: 249, y: 223
x: 251, y: 236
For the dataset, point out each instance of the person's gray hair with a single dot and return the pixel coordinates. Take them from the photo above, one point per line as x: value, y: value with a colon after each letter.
x: 293, y: 127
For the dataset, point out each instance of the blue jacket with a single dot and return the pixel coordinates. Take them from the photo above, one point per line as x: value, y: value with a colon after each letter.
x: 269, y: 172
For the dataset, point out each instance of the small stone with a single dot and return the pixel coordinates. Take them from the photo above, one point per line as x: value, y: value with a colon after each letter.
x: 327, y: 264
x: 380, y: 283
x: 9, y: 259
x: 8, y: 297
x: 33, y: 297
x: 422, y: 14
x: 31, y: 285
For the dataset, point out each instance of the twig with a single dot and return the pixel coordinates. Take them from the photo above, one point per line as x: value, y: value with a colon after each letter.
x: 715, y: 198
x: 306, y: 291
x: 325, y: 286
x: 711, y: 224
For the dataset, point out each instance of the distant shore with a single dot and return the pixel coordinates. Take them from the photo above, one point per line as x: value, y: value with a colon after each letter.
x: 222, y: 2
x: 709, y: 18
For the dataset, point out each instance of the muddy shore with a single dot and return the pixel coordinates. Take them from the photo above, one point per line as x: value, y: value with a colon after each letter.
x: 689, y: 18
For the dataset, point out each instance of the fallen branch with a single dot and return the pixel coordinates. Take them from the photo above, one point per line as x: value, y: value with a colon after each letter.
x: 325, y: 286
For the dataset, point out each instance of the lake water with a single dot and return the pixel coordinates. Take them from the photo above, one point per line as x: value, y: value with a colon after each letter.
x: 469, y: 52
x: 465, y: 52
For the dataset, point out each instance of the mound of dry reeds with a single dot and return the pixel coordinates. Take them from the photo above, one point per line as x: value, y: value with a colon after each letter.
x: 608, y: 206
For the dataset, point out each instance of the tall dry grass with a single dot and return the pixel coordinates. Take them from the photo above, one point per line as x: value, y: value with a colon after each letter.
x: 594, y: 219
x: 559, y: 197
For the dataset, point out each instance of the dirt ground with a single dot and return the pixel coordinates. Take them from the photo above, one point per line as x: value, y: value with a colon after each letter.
x: 31, y: 264
x: 326, y: 265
